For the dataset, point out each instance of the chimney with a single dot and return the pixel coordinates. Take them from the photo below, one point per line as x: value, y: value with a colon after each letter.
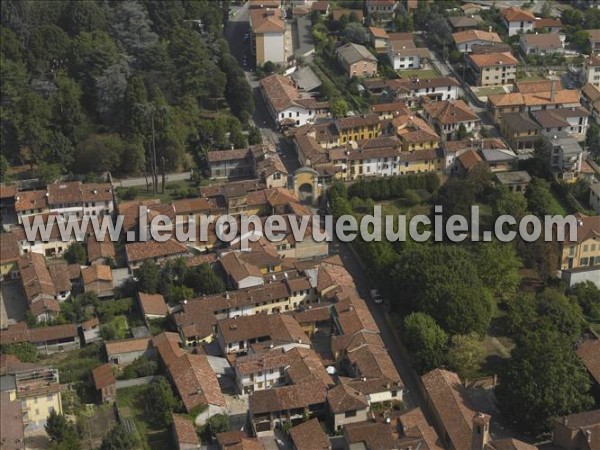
x: 490, y: 29
x: 552, y: 91
x: 481, y: 431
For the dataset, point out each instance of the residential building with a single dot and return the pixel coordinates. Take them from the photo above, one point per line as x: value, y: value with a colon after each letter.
x: 273, y: 407
x: 184, y: 433
x: 124, y: 351
x: 492, y: 69
x: 346, y: 405
x: 390, y: 110
x: 517, y: 20
x: 573, y: 121
x: 36, y: 388
x: 595, y: 197
x: 44, y: 286
x: 410, y: 90
x: 159, y: 252
x: 152, y: 306
x: 234, y: 440
x: 50, y: 339
x: 594, y: 40
x: 549, y: 24
x: 100, y: 252
x: 588, y: 350
x: 91, y: 331
x: 357, y: 60
x: 404, y: 55
x: 309, y: 436
x: 520, y: 131
x: 370, y: 435
x: 420, y: 161
x: 105, y: 383
x: 591, y: 71
x: 379, y: 39
x: 338, y: 13
x: 584, y: 252
x: 237, y: 335
x: 268, y: 35
x: 9, y: 256
x: 447, y: 399
x: 287, y: 105
x: 465, y: 40
x: 30, y: 203
x: 306, y: 80
x: 381, y: 10
x: 414, y: 133
x: 321, y: 6
x: 98, y: 279
x: 230, y: 164
x: 577, y: 431
x: 464, y: 23
x: 470, y: 8
x: 542, y: 44
x: 515, y: 181
x: 566, y: 156
x: 12, y: 434
x: 447, y: 117
x: 590, y: 97
x: 551, y: 98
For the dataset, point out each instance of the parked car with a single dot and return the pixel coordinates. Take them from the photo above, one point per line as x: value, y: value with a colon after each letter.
x: 376, y: 296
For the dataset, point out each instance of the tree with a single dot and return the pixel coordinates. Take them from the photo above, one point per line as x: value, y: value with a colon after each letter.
x: 452, y: 294
x: 466, y: 354
x: 254, y: 136
x: 457, y: 196
x: 588, y: 297
x: 141, y: 367
x: 498, y: 266
x: 543, y: 380
x: 356, y: 33
x: 592, y: 139
x: 203, y: 280
x: 4, y: 166
x: 160, y: 402
x: 218, y: 423
x: 509, y: 203
x: 120, y: 438
x: 426, y: 341
x: 540, y: 200
x: 115, y: 329
x: 148, y: 277
x: 61, y: 433
x: 76, y: 254
x: 461, y: 133
x: 339, y: 108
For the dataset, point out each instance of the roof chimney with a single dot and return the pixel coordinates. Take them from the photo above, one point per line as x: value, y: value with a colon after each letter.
x: 481, y: 431
x: 490, y: 29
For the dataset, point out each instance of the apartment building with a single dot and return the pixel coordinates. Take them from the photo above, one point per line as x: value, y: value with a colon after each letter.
x: 268, y: 35
x: 381, y: 10
x: 492, y: 69
x: 404, y: 55
x: 572, y: 120
x: 566, y: 156
x: 520, y: 131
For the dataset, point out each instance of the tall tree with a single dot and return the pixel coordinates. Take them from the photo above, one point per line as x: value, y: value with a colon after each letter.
x: 426, y: 341
x: 542, y: 380
x: 160, y: 402
x: 498, y: 266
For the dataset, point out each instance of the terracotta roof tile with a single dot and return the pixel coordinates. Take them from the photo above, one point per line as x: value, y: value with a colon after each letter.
x: 139, y: 251
x: 451, y: 112
x: 127, y: 346
x: 97, y: 272
x: 494, y: 59
x: 153, y: 304
x: 517, y: 15
x: 266, y: 20
x: 103, y: 376
x: 309, y: 436
x: 27, y: 200
x: 185, y: 431
x: 287, y: 397
x: 475, y: 35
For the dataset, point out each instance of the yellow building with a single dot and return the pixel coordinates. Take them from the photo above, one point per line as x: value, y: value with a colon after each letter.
x: 36, y: 387
x: 584, y: 252
x: 414, y: 133
x: 421, y: 161
x: 519, y: 130
x: 357, y: 128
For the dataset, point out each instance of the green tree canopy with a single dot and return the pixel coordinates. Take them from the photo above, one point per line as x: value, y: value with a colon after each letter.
x: 426, y: 341
x: 160, y: 402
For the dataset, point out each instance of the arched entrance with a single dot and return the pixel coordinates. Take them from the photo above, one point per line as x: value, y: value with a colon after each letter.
x: 306, y: 184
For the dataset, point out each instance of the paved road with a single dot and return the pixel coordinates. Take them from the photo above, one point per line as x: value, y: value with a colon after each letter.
x: 235, y: 33
x: 364, y: 286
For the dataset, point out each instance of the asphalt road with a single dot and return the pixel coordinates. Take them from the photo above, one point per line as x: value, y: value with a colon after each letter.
x: 235, y: 33
x: 364, y: 286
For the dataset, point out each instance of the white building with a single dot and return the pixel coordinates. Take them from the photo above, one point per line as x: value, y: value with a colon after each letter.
x: 442, y: 88
x: 287, y: 105
x: 566, y: 156
x: 517, y: 21
x: 591, y: 71
x: 465, y: 40
x: 572, y: 120
x: 404, y: 55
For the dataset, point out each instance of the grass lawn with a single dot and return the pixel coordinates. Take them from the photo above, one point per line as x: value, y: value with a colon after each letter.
x: 173, y: 191
x: 487, y: 91
x: 131, y: 406
x: 423, y: 74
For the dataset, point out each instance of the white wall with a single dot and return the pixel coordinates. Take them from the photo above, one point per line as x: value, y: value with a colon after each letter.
x: 515, y: 27
x: 302, y: 116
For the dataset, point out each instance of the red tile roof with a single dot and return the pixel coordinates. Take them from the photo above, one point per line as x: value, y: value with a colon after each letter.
x: 103, y: 376
x: 185, y: 431
x: 153, y: 304
x: 309, y: 436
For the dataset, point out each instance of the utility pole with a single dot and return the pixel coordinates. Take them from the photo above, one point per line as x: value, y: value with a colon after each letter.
x: 163, y: 173
x: 154, y: 170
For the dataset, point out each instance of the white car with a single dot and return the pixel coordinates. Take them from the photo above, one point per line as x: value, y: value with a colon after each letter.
x: 376, y: 296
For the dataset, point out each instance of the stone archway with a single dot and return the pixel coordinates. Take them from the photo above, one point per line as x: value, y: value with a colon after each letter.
x: 306, y: 184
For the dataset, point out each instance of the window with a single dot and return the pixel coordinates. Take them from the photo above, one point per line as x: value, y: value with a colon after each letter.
x: 394, y: 393
x: 584, y: 261
x: 350, y: 413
